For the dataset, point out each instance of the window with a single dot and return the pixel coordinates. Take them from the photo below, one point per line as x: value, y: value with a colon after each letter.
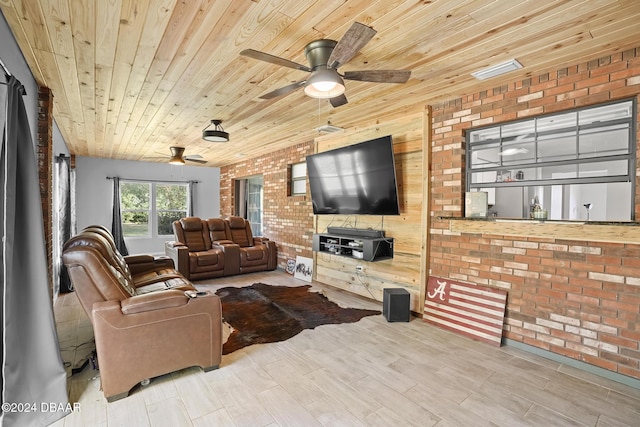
x: 149, y: 208
x: 298, y: 179
x: 249, y: 194
x: 575, y: 165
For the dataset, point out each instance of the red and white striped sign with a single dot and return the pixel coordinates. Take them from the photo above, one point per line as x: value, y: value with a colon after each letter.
x: 473, y: 311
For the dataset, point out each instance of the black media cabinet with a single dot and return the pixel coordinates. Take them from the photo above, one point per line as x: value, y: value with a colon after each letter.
x: 356, y: 247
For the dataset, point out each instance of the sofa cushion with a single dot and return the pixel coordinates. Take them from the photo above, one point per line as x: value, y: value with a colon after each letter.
x: 210, y: 260
x: 123, y: 281
x: 218, y: 230
x: 195, y: 236
x: 116, y: 256
x: 191, y: 223
x: 240, y: 231
x: 255, y: 253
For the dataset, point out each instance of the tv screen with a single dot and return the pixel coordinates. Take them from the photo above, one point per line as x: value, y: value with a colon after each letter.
x: 356, y: 179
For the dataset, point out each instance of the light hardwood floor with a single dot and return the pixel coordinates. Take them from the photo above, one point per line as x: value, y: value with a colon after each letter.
x: 371, y: 373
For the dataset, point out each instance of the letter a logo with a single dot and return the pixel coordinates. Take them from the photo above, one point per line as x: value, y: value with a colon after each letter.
x: 440, y: 291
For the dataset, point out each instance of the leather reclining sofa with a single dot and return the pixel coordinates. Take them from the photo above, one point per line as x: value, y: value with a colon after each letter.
x: 216, y: 247
x: 145, y: 323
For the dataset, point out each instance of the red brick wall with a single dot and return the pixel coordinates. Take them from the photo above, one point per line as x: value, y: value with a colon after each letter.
x: 577, y: 299
x: 288, y: 220
x: 45, y: 171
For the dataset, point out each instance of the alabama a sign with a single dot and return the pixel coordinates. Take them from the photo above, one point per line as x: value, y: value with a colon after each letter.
x: 473, y: 311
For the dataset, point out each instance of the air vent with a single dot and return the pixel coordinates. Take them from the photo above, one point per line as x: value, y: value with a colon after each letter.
x: 497, y: 70
x: 329, y: 128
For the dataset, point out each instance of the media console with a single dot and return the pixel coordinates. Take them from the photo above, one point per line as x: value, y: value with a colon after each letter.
x: 354, y: 246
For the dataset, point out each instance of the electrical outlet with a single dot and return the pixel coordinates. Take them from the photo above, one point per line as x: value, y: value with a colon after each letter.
x: 359, y: 268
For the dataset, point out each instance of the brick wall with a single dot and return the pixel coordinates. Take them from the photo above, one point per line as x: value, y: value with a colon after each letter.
x: 288, y: 220
x: 577, y: 299
x: 45, y: 171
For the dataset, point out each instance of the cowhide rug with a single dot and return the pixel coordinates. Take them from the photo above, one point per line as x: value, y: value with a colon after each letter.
x: 264, y: 313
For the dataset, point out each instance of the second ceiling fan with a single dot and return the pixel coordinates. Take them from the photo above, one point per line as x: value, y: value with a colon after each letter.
x: 325, y: 57
x: 178, y: 157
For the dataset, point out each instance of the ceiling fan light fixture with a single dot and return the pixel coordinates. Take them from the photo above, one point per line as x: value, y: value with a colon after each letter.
x: 176, y: 156
x: 217, y: 134
x: 176, y: 161
x: 324, y: 83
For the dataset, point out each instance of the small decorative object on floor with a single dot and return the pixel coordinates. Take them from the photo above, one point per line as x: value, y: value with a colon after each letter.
x: 291, y: 266
x: 304, y: 268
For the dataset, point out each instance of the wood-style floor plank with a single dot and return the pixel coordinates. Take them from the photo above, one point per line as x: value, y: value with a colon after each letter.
x: 369, y: 373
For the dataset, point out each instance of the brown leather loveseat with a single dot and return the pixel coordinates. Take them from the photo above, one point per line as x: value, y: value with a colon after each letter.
x: 219, y: 247
x: 145, y: 323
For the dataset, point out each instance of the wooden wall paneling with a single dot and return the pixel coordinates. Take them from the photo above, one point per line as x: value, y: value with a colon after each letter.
x: 426, y: 204
x: 407, y: 268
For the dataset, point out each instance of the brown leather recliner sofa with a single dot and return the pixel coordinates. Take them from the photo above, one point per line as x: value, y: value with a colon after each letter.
x: 145, y: 324
x: 216, y: 247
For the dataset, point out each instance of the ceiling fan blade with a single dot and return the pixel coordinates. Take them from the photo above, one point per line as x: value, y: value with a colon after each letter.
x: 353, y: 40
x: 338, y: 101
x: 261, y: 56
x: 283, y: 90
x: 191, y: 159
x: 379, y: 76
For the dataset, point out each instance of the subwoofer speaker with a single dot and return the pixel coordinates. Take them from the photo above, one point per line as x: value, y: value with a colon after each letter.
x: 395, y: 305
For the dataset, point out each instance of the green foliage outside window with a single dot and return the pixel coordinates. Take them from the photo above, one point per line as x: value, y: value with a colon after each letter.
x: 142, y: 202
x: 171, y: 205
x: 135, y: 206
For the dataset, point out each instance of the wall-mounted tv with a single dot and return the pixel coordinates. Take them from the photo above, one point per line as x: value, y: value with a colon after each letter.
x: 356, y: 179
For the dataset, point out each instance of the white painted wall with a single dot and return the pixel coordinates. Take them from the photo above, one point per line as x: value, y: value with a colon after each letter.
x: 94, y: 192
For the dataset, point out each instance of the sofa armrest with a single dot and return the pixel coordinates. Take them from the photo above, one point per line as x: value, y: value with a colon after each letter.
x: 222, y: 242
x: 137, y: 259
x: 153, y: 301
x: 273, y: 254
x: 144, y: 263
x: 174, y: 244
x: 179, y: 254
x: 231, y: 256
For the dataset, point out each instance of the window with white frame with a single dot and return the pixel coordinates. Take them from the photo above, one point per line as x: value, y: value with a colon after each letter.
x: 149, y: 208
x: 298, y: 183
x: 574, y: 165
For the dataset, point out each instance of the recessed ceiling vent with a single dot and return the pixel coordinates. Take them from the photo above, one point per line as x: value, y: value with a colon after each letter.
x: 329, y: 128
x: 497, y: 70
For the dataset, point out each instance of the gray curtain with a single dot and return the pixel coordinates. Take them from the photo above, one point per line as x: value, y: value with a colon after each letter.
x: 66, y: 219
x: 241, y: 197
x: 191, y: 190
x: 116, y: 219
x: 32, y: 369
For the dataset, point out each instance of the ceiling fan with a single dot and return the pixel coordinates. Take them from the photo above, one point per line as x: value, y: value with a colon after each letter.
x: 325, y: 57
x: 177, y: 157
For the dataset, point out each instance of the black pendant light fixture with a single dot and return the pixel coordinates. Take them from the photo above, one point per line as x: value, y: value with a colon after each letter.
x: 217, y: 134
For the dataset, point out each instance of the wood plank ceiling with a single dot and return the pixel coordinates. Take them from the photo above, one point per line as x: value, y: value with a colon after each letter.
x: 132, y: 78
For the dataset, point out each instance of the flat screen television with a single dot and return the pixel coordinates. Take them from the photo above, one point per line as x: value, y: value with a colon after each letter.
x: 356, y: 179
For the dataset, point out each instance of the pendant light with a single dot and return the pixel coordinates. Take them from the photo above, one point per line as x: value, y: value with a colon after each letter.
x: 217, y: 134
